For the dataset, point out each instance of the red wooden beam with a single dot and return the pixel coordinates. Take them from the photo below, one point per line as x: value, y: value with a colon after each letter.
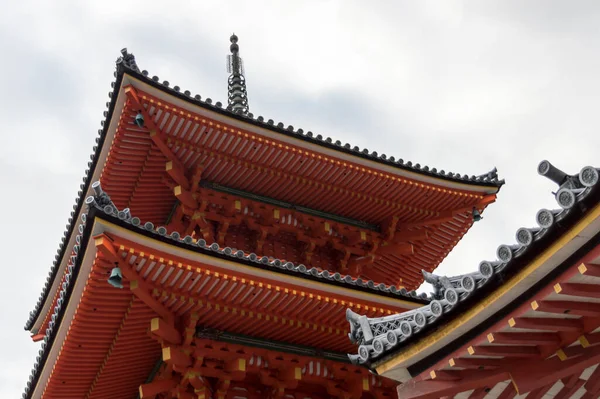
x: 105, y: 247
x: 434, y: 389
x: 593, y: 383
x: 589, y: 339
x: 165, y: 331
x: 412, y: 236
x: 396, y: 249
x: 507, y: 351
x: 479, y: 393
x: 479, y: 363
x: 531, y: 375
x: 140, y: 289
x: 546, y: 323
x: 446, y: 375
x: 578, y: 289
x: 524, y: 338
x: 509, y: 392
x: 525, y: 307
x: 177, y: 174
x: 430, y: 222
x: 540, y: 392
x: 155, y: 133
x: 570, y: 381
x: 567, y: 307
x: 588, y: 269
x: 570, y: 352
x: 154, y: 388
x: 568, y: 391
x: 175, y: 356
x: 185, y: 197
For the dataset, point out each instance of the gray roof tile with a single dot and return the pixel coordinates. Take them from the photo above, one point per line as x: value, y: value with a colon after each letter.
x: 377, y: 337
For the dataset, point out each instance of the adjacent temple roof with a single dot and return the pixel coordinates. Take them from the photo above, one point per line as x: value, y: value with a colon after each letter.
x: 238, y: 109
x: 378, y: 337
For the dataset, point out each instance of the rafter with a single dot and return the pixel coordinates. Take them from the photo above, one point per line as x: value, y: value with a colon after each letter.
x: 155, y: 134
x: 164, y: 331
x: 546, y: 323
x: 504, y: 350
x: 523, y: 338
x: 531, y: 375
x: 479, y: 363
x: 151, y: 389
x: 578, y: 289
x: 434, y: 389
x: 593, y: 383
x: 177, y: 174
x: 567, y: 307
x: 508, y: 392
x: 588, y: 269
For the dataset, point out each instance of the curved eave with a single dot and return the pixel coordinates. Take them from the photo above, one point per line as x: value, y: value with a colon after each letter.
x: 567, y: 241
x: 96, y: 223
x: 486, y: 183
x: 125, y: 74
x: 283, y: 270
x: 92, y: 173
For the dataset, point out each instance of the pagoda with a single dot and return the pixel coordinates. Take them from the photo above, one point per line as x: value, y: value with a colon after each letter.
x: 212, y: 253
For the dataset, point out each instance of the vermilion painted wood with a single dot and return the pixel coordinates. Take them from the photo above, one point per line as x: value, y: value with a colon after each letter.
x: 478, y: 393
x: 539, y: 392
x: 526, y: 338
x: 571, y: 328
x: 433, y: 389
x: 508, y: 392
x: 532, y: 375
x: 568, y: 391
x: 593, y: 383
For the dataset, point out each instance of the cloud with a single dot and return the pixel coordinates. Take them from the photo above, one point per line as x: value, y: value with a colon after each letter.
x: 460, y: 86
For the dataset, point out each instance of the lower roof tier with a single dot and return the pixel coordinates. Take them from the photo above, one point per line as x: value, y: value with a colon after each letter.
x: 531, y: 317
x: 169, y: 169
x: 177, y: 279
x: 97, y: 343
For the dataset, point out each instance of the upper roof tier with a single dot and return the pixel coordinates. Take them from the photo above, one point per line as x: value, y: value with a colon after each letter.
x: 487, y: 182
x: 352, y: 194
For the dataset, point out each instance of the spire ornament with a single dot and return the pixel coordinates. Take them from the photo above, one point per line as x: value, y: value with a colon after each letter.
x: 237, y: 96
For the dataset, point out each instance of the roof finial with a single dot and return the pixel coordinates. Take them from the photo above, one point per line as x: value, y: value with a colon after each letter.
x: 237, y: 97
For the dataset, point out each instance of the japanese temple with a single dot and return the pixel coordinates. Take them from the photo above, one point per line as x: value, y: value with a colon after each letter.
x: 215, y: 254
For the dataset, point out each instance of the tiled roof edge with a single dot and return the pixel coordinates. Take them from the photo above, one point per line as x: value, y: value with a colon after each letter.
x: 58, y: 311
x: 126, y: 62
x: 377, y: 337
x: 101, y: 201
x: 487, y: 179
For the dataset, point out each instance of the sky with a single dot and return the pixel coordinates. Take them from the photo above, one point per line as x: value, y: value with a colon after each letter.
x: 460, y: 86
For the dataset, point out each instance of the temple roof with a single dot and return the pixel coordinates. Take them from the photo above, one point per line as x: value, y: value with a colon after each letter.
x: 100, y: 206
x: 126, y: 64
x: 106, y: 208
x: 381, y: 338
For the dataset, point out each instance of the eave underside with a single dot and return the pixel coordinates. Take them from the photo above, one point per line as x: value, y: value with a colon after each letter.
x: 108, y: 351
x: 548, y: 346
x: 135, y: 177
x: 157, y: 203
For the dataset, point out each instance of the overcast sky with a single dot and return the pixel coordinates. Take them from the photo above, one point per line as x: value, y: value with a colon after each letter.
x: 461, y: 87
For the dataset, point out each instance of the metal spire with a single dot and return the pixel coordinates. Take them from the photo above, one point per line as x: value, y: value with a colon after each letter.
x: 237, y: 97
